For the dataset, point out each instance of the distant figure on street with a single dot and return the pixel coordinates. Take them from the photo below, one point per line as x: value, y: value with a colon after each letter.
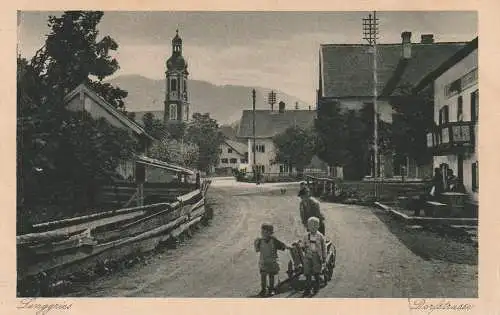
x: 302, y: 186
x: 454, y: 183
x: 309, y: 207
x: 268, y: 245
x: 437, y: 184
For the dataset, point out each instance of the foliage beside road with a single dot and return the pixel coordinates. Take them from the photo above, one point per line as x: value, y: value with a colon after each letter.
x: 63, y: 156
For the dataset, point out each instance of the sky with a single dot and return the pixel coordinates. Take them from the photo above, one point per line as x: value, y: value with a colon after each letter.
x: 277, y: 50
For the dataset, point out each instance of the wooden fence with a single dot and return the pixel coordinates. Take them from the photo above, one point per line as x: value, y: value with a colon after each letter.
x: 329, y: 188
x: 63, y: 247
x: 120, y: 194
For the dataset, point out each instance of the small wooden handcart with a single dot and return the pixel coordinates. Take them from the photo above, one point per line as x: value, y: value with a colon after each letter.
x: 295, y: 265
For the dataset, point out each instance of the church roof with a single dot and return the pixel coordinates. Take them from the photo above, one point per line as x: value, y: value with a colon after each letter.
x: 177, y: 61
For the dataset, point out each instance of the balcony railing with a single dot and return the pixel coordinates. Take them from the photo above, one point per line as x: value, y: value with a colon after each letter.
x: 452, y: 136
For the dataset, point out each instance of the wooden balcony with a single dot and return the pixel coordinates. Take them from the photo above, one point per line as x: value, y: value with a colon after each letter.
x: 452, y: 137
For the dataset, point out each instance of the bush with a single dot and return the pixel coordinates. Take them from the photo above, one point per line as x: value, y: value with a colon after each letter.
x: 240, y: 175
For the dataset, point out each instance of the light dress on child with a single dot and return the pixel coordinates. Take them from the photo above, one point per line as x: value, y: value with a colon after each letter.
x: 315, y: 253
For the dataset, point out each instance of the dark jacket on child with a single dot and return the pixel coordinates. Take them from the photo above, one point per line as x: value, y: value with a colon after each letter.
x: 268, y: 249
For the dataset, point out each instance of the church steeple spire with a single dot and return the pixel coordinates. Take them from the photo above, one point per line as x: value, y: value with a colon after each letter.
x: 177, y: 44
x: 176, y: 94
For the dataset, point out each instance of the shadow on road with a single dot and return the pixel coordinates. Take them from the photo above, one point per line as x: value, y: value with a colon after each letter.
x: 430, y: 244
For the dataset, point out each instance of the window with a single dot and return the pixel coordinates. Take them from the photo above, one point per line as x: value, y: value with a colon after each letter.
x: 284, y: 168
x: 243, y: 161
x: 259, y: 148
x: 229, y: 150
x: 444, y: 115
x: 453, y: 88
x: 186, y: 112
x: 223, y: 161
x: 233, y: 161
x: 461, y: 84
x: 173, y: 112
x: 475, y: 176
x: 173, y: 85
x: 474, y: 105
x: 460, y: 108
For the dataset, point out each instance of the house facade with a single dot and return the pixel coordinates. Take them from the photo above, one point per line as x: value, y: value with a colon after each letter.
x: 346, y: 79
x: 82, y: 98
x: 269, y: 123
x: 456, y: 116
x: 233, y: 154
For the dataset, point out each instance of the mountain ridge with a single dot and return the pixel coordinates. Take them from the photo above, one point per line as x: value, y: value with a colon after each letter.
x: 225, y: 103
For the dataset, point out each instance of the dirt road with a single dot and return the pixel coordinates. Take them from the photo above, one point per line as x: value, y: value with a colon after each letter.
x: 219, y: 261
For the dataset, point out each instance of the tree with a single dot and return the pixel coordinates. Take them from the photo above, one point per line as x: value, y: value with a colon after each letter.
x: 147, y: 120
x: 295, y: 147
x: 72, y: 55
x: 331, y: 134
x: 176, y: 130
x: 154, y: 126
x: 64, y: 156
x: 358, y: 145
x: 131, y: 115
x: 412, y: 120
x: 204, y: 132
x: 172, y: 151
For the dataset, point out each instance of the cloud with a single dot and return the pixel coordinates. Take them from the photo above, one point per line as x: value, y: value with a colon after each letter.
x: 272, y: 50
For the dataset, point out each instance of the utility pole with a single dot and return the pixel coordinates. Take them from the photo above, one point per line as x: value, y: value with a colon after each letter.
x: 253, y: 144
x: 271, y: 99
x: 370, y: 32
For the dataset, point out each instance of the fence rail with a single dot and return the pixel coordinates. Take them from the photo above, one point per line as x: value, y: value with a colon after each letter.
x: 63, y: 247
x: 334, y: 189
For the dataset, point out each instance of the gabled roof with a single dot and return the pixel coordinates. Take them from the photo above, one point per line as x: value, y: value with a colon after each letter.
x: 237, y: 146
x: 229, y: 132
x: 450, y: 62
x: 269, y: 124
x: 123, y: 119
x: 346, y: 69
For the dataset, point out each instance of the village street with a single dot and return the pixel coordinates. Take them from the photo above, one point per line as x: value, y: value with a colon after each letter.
x: 219, y: 261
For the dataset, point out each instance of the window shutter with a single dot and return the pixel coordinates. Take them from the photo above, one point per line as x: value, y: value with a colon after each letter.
x: 460, y: 108
x: 474, y: 177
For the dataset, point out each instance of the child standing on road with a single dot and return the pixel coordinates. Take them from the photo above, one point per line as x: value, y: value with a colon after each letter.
x: 314, y: 255
x: 268, y: 245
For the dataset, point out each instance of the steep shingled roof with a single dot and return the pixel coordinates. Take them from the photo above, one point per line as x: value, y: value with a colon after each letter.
x: 457, y: 57
x: 346, y: 70
x: 269, y: 124
x: 239, y: 147
x: 98, y: 99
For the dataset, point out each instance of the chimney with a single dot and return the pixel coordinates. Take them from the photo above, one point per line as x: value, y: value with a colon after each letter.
x: 427, y: 39
x: 281, y: 107
x: 406, y: 43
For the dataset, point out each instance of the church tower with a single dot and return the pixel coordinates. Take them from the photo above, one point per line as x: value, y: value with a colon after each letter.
x: 176, y: 95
